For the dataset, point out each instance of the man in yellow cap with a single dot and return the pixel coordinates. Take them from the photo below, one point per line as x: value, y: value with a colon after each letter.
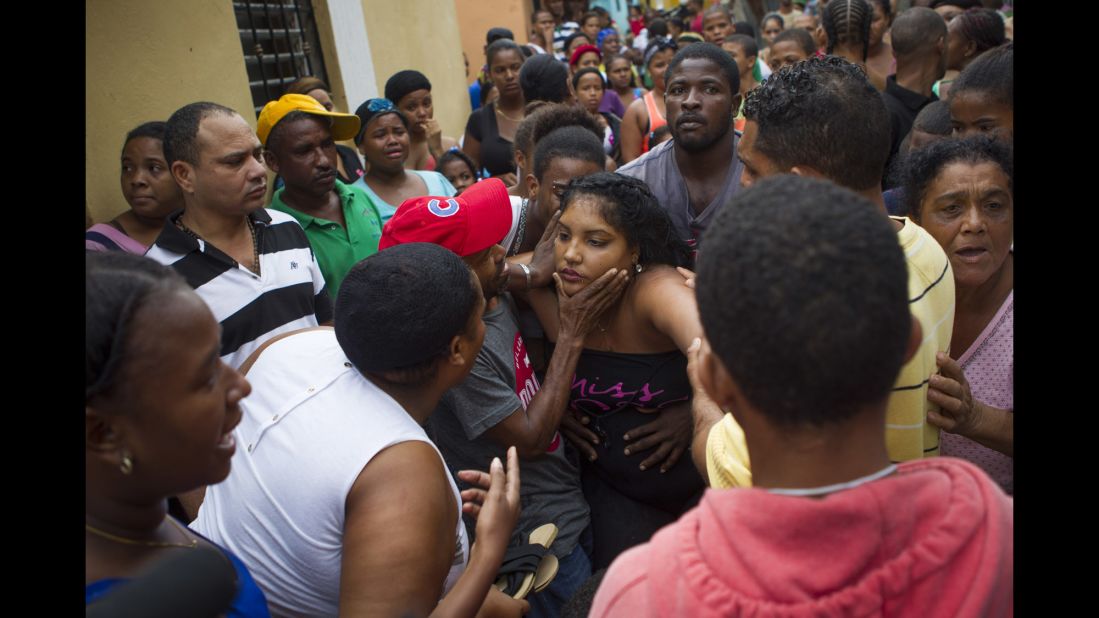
x: 342, y: 224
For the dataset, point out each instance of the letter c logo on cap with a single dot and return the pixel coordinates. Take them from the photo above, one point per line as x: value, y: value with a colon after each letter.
x: 449, y: 210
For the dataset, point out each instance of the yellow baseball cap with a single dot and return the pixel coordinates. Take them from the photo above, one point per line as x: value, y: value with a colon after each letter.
x: 344, y: 126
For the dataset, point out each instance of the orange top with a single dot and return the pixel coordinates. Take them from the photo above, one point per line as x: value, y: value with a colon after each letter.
x: 656, y: 120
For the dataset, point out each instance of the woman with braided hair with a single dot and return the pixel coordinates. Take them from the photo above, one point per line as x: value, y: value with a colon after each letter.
x: 967, y: 36
x: 630, y: 399
x: 846, y: 25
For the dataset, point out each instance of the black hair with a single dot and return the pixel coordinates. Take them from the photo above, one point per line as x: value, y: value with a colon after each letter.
x: 677, y: 22
x: 658, y: 28
x: 984, y: 27
x: 775, y: 17
x: 572, y: 37
x: 534, y: 14
x: 656, y: 46
x: 588, y: 15
x: 152, y: 130
x: 824, y: 113
x: 366, y: 116
x: 631, y: 208
x: 117, y: 286
x: 745, y: 28
x: 800, y: 36
x: 795, y: 273
x: 713, y: 53
x: 921, y: 167
x: 848, y: 22
x: 495, y: 34
x: 546, y: 117
x: 991, y: 74
x: 745, y: 41
x: 522, y: 141
x: 886, y: 8
x: 498, y: 46
x: 543, y: 78
x: 398, y: 310
x: 274, y: 137
x: 527, y: 50
x: 181, y: 130
x: 455, y: 155
x: 567, y: 143
x: 588, y: 71
x: 402, y: 83
x: 915, y: 30
x: 607, y: 63
x: 961, y: 4
x: 934, y: 118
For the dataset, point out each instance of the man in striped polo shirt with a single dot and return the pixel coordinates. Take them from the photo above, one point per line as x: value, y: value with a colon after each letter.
x: 837, y: 128
x: 253, y: 267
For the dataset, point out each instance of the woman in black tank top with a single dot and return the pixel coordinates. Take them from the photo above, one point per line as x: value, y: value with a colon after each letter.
x: 632, y: 371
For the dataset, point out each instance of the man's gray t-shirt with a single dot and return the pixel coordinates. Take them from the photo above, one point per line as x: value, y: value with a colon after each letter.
x: 502, y: 381
x: 658, y: 169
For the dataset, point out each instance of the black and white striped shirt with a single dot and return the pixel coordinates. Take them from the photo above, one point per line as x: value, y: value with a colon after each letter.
x: 288, y: 295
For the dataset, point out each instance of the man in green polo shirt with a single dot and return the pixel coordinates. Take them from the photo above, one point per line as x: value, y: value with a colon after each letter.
x: 343, y: 226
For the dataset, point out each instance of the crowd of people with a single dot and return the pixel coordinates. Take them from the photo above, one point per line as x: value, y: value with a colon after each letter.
x: 700, y: 315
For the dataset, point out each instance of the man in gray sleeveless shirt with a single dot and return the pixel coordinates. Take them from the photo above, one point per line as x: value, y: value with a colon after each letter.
x: 697, y: 172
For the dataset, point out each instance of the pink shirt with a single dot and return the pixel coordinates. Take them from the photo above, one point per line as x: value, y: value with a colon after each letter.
x: 989, y: 366
x: 934, y: 539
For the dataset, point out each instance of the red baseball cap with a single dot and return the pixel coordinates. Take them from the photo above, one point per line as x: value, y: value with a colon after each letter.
x: 473, y: 222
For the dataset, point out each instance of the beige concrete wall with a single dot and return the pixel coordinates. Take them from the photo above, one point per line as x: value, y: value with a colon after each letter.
x: 421, y: 35
x: 475, y: 17
x: 143, y: 61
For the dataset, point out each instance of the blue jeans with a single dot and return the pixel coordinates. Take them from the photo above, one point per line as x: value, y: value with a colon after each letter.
x: 572, y: 571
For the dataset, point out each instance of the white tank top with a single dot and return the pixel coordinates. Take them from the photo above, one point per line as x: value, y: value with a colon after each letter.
x: 310, y: 426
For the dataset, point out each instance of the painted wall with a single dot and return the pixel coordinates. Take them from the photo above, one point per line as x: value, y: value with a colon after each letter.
x: 143, y: 61
x: 476, y: 17
x: 421, y: 35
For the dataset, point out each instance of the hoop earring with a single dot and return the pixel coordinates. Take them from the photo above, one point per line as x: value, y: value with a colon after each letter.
x: 127, y: 465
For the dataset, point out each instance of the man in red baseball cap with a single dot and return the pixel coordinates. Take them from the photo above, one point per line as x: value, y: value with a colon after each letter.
x: 501, y: 402
x: 472, y: 225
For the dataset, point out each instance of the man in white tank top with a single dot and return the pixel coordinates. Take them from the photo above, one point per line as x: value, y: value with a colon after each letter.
x: 338, y: 502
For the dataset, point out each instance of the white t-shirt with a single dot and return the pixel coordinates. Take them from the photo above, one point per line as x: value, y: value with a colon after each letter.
x: 310, y: 426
